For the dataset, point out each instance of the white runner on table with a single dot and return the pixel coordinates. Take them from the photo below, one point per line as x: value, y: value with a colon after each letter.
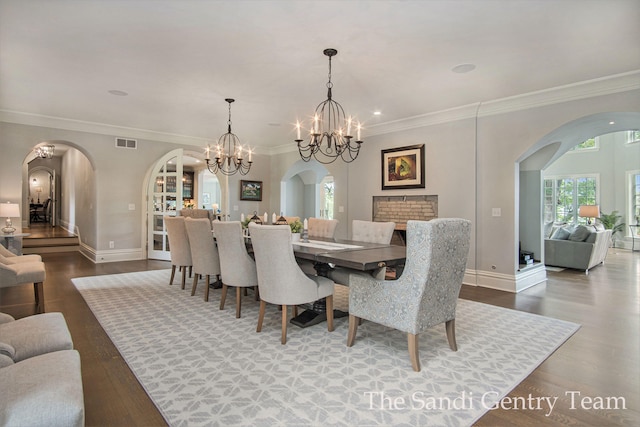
x: 330, y: 246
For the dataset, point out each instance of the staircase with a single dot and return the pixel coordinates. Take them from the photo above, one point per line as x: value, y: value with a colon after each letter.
x: 47, y: 239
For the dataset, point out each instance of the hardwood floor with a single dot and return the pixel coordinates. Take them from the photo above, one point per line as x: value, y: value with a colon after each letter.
x: 602, y: 360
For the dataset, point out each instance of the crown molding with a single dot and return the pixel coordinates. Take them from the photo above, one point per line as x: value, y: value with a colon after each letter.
x: 587, y: 89
x: 581, y: 90
x: 98, y: 128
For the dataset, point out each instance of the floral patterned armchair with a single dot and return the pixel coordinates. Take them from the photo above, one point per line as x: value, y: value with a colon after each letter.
x: 426, y: 293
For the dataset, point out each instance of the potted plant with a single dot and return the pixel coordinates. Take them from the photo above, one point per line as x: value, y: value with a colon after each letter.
x: 296, y: 228
x: 612, y: 222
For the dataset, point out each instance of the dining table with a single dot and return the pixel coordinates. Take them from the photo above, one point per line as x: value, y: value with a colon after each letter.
x: 350, y: 254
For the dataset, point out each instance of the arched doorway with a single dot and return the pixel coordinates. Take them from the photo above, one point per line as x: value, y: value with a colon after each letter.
x: 302, y: 192
x: 546, y: 151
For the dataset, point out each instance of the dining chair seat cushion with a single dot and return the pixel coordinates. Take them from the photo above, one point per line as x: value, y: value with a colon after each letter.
x: 45, y: 390
x: 34, y: 335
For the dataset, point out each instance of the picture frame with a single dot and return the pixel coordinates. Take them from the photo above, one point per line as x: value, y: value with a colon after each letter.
x: 403, y: 167
x: 251, y: 190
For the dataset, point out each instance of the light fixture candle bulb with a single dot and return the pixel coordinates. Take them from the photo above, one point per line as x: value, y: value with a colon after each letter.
x: 298, y: 129
x: 359, y: 128
x: 315, y: 124
x: 349, y: 126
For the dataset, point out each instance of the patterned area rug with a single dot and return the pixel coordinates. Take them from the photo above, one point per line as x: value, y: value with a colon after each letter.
x: 202, y: 366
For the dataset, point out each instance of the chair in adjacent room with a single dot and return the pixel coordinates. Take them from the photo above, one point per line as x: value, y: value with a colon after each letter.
x: 369, y: 232
x: 280, y: 280
x: 22, y: 273
x: 237, y: 267
x: 204, y: 253
x: 427, y: 292
x: 42, y: 212
x: 178, y: 247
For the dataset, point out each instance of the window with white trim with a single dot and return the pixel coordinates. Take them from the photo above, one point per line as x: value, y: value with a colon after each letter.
x: 634, y: 199
x: 589, y: 144
x: 563, y: 195
x: 633, y: 136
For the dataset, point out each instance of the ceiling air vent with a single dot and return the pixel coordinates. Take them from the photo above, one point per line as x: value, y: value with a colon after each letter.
x: 126, y: 143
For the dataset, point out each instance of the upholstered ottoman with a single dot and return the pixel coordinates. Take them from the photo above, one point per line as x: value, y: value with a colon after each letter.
x: 34, y: 335
x: 44, y: 390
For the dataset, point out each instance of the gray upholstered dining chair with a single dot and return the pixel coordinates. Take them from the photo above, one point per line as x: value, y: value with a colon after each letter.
x: 280, y: 280
x: 178, y: 247
x: 238, y: 269
x: 22, y: 273
x: 319, y: 227
x: 427, y: 292
x: 370, y: 232
x: 204, y: 253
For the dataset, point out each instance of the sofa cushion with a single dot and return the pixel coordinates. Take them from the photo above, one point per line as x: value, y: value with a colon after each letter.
x: 580, y: 234
x: 561, y: 233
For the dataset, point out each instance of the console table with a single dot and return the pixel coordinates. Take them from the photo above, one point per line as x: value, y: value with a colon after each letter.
x: 8, y: 241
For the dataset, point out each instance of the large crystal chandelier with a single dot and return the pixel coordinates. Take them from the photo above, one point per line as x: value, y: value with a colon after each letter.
x: 229, y: 156
x: 331, y: 132
x: 45, y: 151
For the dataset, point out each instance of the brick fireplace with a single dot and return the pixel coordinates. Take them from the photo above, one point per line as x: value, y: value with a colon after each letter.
x: 400, y: 209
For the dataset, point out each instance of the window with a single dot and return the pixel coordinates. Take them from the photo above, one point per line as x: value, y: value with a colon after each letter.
x: 589, y: 144
x: 634, y: 198
x: 326, y: 195
x: 564, y: 195
x: 633, y: 136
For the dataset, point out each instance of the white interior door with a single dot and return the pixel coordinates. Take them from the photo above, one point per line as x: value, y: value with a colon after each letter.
x: 164, y: 199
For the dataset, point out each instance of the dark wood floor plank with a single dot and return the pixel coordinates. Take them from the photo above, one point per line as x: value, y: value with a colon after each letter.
x: 601, y: 359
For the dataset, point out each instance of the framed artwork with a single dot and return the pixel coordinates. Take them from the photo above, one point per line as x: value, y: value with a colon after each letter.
x: 403, y: 167
x: 251, y: 190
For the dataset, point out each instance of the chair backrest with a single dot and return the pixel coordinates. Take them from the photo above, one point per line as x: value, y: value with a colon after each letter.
x: 204, y: 253
x: 237, y: 267
x: 291, y: 219
x: 372, y: 232
x: 280, y: 279
x: 197, y: 213
x: 46, y: 204
x: 319, y: 227
x: 178, y: 240
x: 437, y: 253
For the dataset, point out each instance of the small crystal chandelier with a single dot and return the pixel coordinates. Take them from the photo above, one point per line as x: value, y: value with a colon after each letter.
x: 229, y: 153
x: 45, y: 151
x: 331, y: 135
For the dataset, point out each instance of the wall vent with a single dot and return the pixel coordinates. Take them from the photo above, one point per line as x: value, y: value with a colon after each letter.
x: 126, y: 143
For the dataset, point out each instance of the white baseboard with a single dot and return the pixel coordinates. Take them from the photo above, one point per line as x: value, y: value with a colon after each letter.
x: 111, y: 255
x: 512, y: 282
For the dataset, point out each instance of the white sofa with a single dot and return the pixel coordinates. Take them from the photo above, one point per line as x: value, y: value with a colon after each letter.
x: 582, y: 247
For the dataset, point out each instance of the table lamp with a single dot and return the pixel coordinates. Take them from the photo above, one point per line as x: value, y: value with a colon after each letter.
x: 589, y: 211
x: 9, y: 210
x: 38, y: 190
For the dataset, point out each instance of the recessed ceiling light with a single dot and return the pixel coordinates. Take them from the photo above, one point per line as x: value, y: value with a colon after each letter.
x: 118, y: 92
x: 612, y: 122
x: 377, y: 113
x: 463, y: 68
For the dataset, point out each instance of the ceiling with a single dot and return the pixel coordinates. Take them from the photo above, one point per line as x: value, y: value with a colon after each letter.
x: 179, y: 60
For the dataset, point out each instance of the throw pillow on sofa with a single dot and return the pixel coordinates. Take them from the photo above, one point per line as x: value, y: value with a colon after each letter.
x: 561, y: 234
x: 580, y: 234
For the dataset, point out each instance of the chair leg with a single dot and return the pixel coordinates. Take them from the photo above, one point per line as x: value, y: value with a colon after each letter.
x: 173, y: 273
x: 261, y: 315
x: 206, y: 288
x: 195, y: 284
x: 329, y: 300
x: 38, y: 290
x: 283, y: 340
x: 223, y: 298
x: 257, y: 293
x: 184, y: 276
x: 451, y: 334
x: 353, y: 328
x: 190, y: 270
x: 295, y: 311
x: 413, y: 351
x: 238, y: 301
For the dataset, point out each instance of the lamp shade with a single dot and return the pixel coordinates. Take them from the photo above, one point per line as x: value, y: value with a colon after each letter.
x: 9, y: 210
x: 589, y: 211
